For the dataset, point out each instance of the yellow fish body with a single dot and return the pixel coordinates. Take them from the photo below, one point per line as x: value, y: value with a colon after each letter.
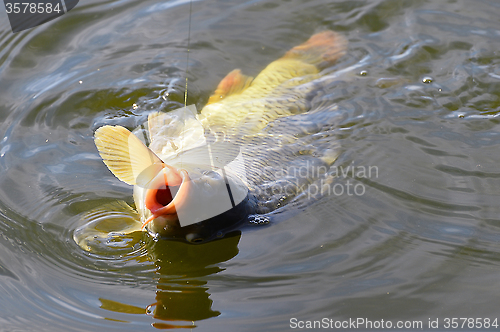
x: 185, y: 164
x: 243, y: 104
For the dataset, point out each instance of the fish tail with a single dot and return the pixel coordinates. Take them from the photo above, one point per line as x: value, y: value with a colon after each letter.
x: 321, y: 50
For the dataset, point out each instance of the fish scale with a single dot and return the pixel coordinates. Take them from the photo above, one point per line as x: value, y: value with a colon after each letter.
x: 292, y: 151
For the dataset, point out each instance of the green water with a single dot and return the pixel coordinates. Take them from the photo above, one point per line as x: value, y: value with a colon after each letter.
x: 418, y: 92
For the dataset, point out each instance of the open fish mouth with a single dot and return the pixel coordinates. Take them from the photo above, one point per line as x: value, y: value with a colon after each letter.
x: 168, y: 190
x: 190, y: 205
x: 179, y: 198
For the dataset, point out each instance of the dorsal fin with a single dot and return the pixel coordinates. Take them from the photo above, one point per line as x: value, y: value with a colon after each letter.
x: 234, y: 82
x: 126, y: 156
x: 321, y: 50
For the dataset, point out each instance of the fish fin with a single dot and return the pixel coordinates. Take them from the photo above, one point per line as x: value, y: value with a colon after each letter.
x: 126, y: 156
x: 120, y: 307
x: 156, y: 121
x: 105, y: 224
x: 321, y: 50
x: 175, y: 131
x: 234, y: 82
x: 170, y: 123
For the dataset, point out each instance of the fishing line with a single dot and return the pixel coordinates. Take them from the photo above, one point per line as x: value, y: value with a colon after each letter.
x: 187, y: 56
x: 186, y: 74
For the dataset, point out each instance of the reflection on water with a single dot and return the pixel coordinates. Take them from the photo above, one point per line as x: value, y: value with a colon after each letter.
x: 181, y: 296
x: 420, y: 104
x: 186, y: 298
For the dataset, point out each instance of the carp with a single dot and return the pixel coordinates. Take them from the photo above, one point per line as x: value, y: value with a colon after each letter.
x: 197, y: 176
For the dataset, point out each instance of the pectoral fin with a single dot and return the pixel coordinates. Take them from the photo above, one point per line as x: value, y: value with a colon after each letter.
x: 175, y: 131
x: 170, y: 124
x: 234, y: 82
x: 126, y: 156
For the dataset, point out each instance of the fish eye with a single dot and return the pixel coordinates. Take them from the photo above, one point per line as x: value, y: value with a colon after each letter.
x: 194, y: 238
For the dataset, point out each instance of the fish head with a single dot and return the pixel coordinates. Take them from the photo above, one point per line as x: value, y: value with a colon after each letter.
x: 195, y: 203
x: 184, y: 187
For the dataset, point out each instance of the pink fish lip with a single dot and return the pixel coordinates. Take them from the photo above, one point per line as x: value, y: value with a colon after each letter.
x: 167, y: 192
